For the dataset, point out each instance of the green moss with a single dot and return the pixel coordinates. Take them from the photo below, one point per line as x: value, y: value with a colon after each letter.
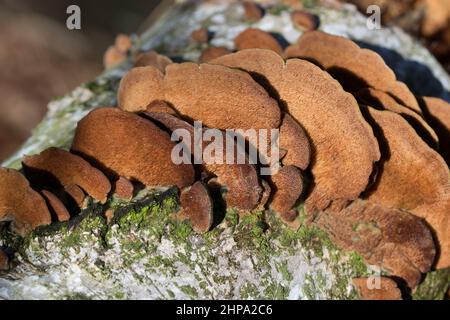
x: 189, y: 291
x: 434, y: 287
x: 358, y: 265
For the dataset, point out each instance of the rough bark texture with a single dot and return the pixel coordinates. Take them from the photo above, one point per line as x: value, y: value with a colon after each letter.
x: 144, y: 252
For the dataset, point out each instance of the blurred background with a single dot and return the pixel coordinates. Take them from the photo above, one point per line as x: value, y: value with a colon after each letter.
x: 41, y: 59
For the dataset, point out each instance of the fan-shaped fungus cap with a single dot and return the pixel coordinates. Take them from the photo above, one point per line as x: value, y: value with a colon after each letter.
x: 387, y: 290
x: 414, y: 177
x: 197, y: 207
x: 57, y: 208
x: 304, y: 20
x: 252, y: 38
x: 162, y: 107
x: 123, y: 188
x: 218, y: 96
x: 287, y: 186
x: 393, y: 239
x: 294, y: 141
x: 381, y: 100
x: 200, y: 35
x: 354, y: 67
x: 76, y: 194
x: 252, y: 11
x: 153, y: 59
x: 339, y: 135
x: 124, y: 144
x: 211, y: 53
x: 437, y: 113
x: 123, y: 43
x: 113, y: 57
x: 21, y: 204
x: 4, y: 261
x: 55, y: 168
x: 240, y: 180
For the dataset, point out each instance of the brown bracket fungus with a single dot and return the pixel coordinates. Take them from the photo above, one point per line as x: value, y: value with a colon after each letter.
x: 200, y: 35
x: 294, y: 141
x: 4, y: 261
x: 393, y: 239
x: 437, y: 113
x: 212, y: 53
x: 123, y: 42
x: 414, y: 177
x: 57, y: 208
x: 344, y: 147
x: 20, y: 204
x: 123, y: 189
x: 381, y: 100
x: 55, y: 168
x: 218, y: 96
x: 124, y: 144
x: 381, y: 288
x: 252, y: 11
x: 153, y: 59
x: 75, y: 194
x: 197, y: 207
x: 241, y: 181
x: 113, y: 57
x: 304, y: 20
x: 287, y: 186
x: 252, y: 38
x: 162, y: 107
x: 354, y: 67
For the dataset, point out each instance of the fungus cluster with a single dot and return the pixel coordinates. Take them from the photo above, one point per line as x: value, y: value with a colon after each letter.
x: 118, y: 52
x: 355, y: 147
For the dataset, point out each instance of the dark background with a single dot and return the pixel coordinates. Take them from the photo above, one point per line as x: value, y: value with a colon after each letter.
x: 41, y: 59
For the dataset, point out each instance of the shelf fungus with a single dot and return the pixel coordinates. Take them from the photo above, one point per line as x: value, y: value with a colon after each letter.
x: 304, y: 20
x: 76, y: 195
x: 383, y: 101
x: 123, y: 188
x: 20, y: 204
x: 56, y: 206
x: 55, y: 168
x: 152, y: 58
x: 212, y: 53
x: 414, y: 177
x: 252, y: 11
x: 118, y: 52
x: 339, y: 135
x: 355, y: 68
x: 200, y: 35
x: 381, y: 288
x: 396, y: 240
x: 123, y: 144
x: 253, y: 38
x: 197, y: 207
x: 437, y: 113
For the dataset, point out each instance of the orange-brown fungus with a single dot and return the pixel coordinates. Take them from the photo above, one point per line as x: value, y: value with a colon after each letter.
x: 76, y: 194
x: 124, y: 144
x: 55, y: 168
x: 123, y: 188
x: 57, y: 208
x: 393, y: 239
x: 414, y: 177
x: 382, y: 288
x: 123, y: 42
x: 304, y: 20
x: 197, y: 207
x: 354, y: 67
x: 383, y: 101
x: 252, y: 11
x: 339, y: 135
x: 218, y: 96
x: 294, y: 141
x: 437, y: 113
x: 200, y: 35
x: 255, y: 38
x: 287, y: 186
x: 153, y: 59
x: 20, y: 204
x: 211, y: 53
x: 162, y: 107
x: 113, y: 57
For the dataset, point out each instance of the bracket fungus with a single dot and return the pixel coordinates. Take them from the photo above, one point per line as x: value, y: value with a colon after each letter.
x: 304, y: 20
x: 55, y: 168
x: 197, y: 207
x: 382, y: 288
x: 294, y: 141
x: 396, y: 240
x: 252, y: 38
x: 20, y: 204
x: 57, y: 208
x: 252, y: 11
x: 124, y: 144
x: 381, y: 100
x: 437, y: 113
x: 200, y: 35
x: 75, y: 194
x: 287, y: 186
x: 218, y: 96
x: 123, y: 188
x: 414, y: 177
x: 354, y: 67
x: 153, y: 59
x: 118, y: 52
x: 241, y: 181
x: 212, y: 53
x: 340, y: 137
